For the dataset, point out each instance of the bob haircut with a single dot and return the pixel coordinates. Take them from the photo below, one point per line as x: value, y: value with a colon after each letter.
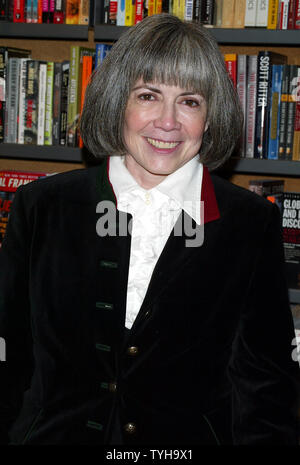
x: 162, y: 48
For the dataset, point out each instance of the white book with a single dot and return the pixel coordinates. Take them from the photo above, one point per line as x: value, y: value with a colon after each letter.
x: 42, y: 103
x: 188, y: 14
x: 251, y: 106
x: 250, y: 13
x: 262, y: 13
x: 22, y: 95
x: 12, y: 101
x: 121, y: 13
x: 283, y: 13
x: 241, y: 87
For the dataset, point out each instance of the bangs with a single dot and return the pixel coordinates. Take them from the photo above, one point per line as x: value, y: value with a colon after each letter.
x: 173, y: 63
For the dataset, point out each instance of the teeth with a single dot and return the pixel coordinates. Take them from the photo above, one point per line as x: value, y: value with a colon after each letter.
x: 162, y: 145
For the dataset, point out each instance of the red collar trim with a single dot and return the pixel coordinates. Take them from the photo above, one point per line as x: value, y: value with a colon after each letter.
x: 208, y: 197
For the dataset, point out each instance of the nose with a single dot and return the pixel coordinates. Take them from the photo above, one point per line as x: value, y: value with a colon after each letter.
x: 167, y: 118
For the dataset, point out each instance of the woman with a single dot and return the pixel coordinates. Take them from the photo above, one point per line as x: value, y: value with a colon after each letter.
x: 143, y: 301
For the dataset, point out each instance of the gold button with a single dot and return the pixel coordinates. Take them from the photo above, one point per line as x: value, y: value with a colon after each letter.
x: 112, y: 387
x: 132, y: 350
x: 130, y: 428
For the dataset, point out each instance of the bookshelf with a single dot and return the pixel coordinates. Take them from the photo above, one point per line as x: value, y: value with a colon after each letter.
x: 52, y: 42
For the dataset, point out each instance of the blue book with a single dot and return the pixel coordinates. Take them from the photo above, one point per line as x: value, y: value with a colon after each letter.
x: 101, y: 52
x: 275, y: 112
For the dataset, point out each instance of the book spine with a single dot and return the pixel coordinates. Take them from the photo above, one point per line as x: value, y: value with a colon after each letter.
x: 261, y: 19
x: 2, y: 93
x: 73, y: 95
x: 59, y: 12
x: 31, y: 102
x: 72, y: 11
x: 242, y: 89
x: 57, y: 84
x: 87, y: 67
x: 275, y: 112
x: 283, y: 111
x: 11, y: 116
x: 284, y: 14
x: 228, y: 14
x: 296, y: 144
x: 139, y: 11
x: 34, y: 17
x: 49, y: 104
x: 189, y: 7
x: 64, y: 103
x: 40, y: 11
x: 197, y: 10
x: 84, y: 15
x: 239, y: 14
x: 158, y: 7
x: 129, y: 12
x: 297, y: 15
x: 4, y: 10
x: 250, y: 13
x: 251, y: 105
x: 231, y: 66
x: 291, y: 14
x: 45, y: 11
x: 263, y: 83
x: 28, y: 11
x: 101, y: 51
x: 19, y: 11
x: 121, y: 13
x: 208, y: 12
x: 22, y: 97
x: 272, y: 14
x: 291, y: 107
x: 42, y: 103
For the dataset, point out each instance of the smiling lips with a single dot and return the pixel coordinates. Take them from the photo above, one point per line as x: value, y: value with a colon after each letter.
x: 159, y: 144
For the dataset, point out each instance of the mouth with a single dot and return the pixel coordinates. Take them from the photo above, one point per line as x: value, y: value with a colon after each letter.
x: 160, y: 144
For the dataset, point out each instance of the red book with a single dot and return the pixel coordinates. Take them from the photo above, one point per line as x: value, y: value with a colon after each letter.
x: 139, y: 11
x: 297, y: 15
x: 18, y: 11
x: 231, y: 65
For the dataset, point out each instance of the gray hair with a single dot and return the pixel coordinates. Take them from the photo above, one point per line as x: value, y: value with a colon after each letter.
x: 162, y: 48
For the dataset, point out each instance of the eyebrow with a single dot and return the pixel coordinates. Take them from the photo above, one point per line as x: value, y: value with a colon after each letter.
x: 154, y: 89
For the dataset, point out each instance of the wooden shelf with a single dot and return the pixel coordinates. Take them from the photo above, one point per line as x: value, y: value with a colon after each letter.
x: 44, y: 31
x: 250, y: 36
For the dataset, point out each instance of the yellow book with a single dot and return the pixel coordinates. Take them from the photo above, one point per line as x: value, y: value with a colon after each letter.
x: 239, y: 14
x: 181, y: 9
x: 228, y: 14
x: 129, y: 12
x: 158, y: 6
x: 272, y: 14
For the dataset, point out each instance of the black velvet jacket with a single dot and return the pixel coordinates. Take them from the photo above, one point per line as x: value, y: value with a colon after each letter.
x: 209, y: 357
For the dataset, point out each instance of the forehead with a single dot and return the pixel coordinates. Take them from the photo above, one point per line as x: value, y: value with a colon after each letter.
x: 161, y: 87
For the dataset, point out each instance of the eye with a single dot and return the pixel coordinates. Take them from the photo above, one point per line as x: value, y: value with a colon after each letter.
x: 191, y: 103
x: 146, y: 97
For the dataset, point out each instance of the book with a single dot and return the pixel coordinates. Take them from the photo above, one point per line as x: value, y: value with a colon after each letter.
x: 28, y: 11
x: 291, y: 109
x: 87, y: 68
x: 139, y: 10
x: 261, y: 19
x: 74, y: 91
x: 251, y: 106
x: 275, y: 112
x: 283, y: 14
x: 19, y: 11
x: 4, y: 10
x: 265, y: 61
x: 239, y: 14
x: 84, y: 15
x: 31, y: 102
x: 72, y: 11
x: 98, y: 13
x: 231, y: 66
x: 291, y: 237
x: 291, y: 14
x: 189, y: 7
x: 22, y: 97
x: 57, y: 85
x: 242, y: 64
x: 296, y: 144
x: 297, y: 15
x: 270, y: 189
x: 59, y: 12
x: 228, y: 14
x: 121, y: 12
x: 207, y: 15
x: 250, y: 13
x: 283, y: 111
x: 64, y: 103
x: 12, y: 103
x: 272, y: 14
x: 49, y: 104
x: 197, y: 10
x: 101, y: 50
x: 130, y: 12
x: 5, y: 54
x: 42, y: 103
x: 10, y: 180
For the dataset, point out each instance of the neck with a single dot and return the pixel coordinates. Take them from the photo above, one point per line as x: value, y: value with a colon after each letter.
x: 144, y: 178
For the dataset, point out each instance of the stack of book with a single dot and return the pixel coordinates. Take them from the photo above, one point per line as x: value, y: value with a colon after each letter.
x: 40, y: 101
x: 269, y: 92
